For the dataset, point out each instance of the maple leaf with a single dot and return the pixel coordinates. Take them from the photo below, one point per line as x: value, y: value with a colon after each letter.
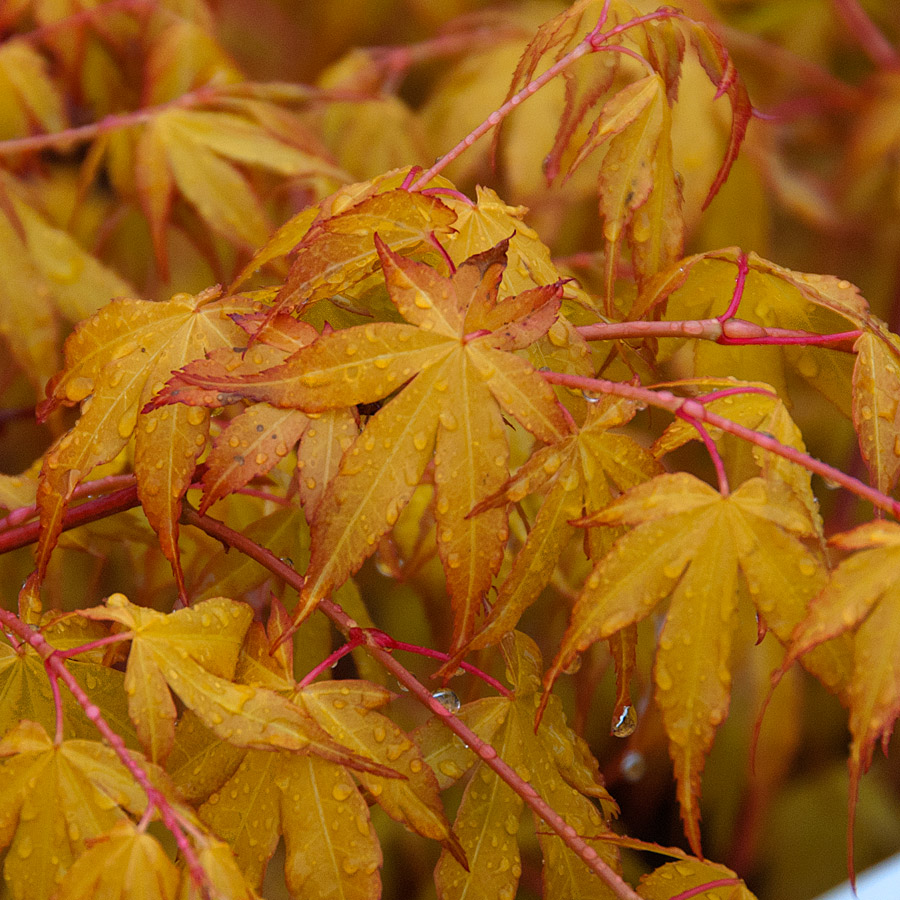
x: 756, y: 406
x: 115, y: 362
x: 700, y: 286
x: 578, y: 475
x: 691, y: 544
x: 639, y: 190
x: 62, y: 281
x: 460, y: 340
x: 876, y: 401
x: 26, y: 693
x: 552, y: 759
x: 84, y: 791
x: 347, y: 855
x: 29, y: 95
x: 862, y: 597
x: 686, y: 876
x: 195, y: 154
x: 487, y: 222
x: 332, y: 245
x: 116, y: 862
x: 193, y: 652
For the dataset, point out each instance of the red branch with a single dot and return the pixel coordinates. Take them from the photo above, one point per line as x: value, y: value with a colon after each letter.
x: 91, y: 511
x: 373, y: 643
x: 694, y: 409
x: 57, y: 671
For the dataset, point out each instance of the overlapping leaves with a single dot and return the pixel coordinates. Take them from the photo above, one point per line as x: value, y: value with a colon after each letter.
x: 552, y: 759
x: 455, y: 354
x: 115, y: 362
x: 314, y: 802
x: 193, y: 653
x: 693, y: 545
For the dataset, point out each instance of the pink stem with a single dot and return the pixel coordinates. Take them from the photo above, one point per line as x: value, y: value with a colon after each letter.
x: 713, y: 451
x: 708, y: 886
x: 389, y: 643
x: 722, y: 331
x: 738, y: 293
x: 373, y: 646
x: 738, y: 331
x: 93, y: 645
x: 693, y: 408
x: 496, y: 117
x: 85, y: 489
x: 58, y: 671
x: 119, y: 501
x: 114, y: 122
x: 329, y: 661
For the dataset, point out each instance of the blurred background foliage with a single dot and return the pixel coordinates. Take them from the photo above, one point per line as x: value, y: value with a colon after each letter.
x: 816, y: 188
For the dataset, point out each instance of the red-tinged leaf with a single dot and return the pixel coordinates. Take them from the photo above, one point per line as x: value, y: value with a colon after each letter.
x: 690, y: 544
x: 687, y: 877
x: 876, y: 400
x: 115, y: 362
x: 463, y: 382
x: 254, y: 442
x: 863, y: 596
x: 720, y: 69
x: 529, y: 264
x: 633, y: 122
x: 338, y: 252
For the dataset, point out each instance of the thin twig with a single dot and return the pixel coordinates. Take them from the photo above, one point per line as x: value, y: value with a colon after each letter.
x: 373, y: 642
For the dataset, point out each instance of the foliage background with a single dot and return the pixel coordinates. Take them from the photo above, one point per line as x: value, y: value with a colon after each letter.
x: 810, y: 191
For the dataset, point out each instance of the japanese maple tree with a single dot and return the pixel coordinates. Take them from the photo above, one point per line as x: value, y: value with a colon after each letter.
x: 337, y: 400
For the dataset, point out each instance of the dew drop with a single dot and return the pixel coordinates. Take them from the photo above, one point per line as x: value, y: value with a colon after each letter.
x: 127, y: 422
x: 447, y: 699
x: 557, y: 335
x: 379, y: 733
x: 341, y: 792
x: 420, y: 440
x: 591, y: 398
x: 422, y: 301
x: 79, y: 388
x: 24, y: 847
x: 624, y: 722
x: 196, y: 415
x: 449, y: 768
x: 448, y: 420
x: 574, y: 666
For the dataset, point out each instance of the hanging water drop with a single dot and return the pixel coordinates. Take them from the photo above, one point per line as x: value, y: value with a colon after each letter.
x: 624, y: 722
x: 447, y: 699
